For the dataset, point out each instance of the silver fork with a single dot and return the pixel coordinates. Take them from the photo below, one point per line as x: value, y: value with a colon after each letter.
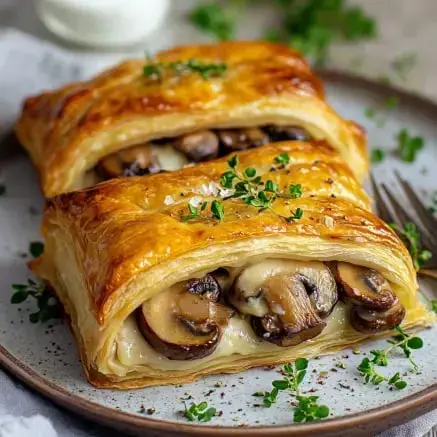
x: 393, y: 212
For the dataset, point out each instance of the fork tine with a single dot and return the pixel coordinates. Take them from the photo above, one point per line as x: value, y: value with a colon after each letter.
x: 404, y: 218
x: 381, y: 206
x: 402, y: 215
x: 425, y: 216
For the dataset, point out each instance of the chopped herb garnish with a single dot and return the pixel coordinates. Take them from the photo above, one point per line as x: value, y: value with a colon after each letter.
x: 411, y: 238
x: 402, y: 341
x: 48, y: 306
x: 434, y: 305
x: 217, y: 209
x: 408, y: 145
x: 391, y: 103
x: 307, y: 408
x: 2, y: 189
x: 295, y: 191
x: 377, y: 155
x: 36, y: 248
x: 194, y: 213
x: 283, y: 159
x: 157, y: 70
x: 404, y: 64
x: 199, y: 412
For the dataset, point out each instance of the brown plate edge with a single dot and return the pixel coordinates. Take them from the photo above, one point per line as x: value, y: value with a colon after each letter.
x: 370, y: 421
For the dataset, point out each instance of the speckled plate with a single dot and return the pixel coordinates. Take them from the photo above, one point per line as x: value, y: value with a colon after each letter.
x: 45, y: 358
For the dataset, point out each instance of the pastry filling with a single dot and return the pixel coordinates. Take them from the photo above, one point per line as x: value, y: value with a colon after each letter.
x: 174, y: 153
x: 284, y: 302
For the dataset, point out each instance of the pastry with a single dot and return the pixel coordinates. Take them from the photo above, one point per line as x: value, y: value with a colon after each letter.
x: 260, y: 259
x: 188, y: 104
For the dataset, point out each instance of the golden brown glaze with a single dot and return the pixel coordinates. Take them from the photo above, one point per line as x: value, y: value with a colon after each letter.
x: 127, y: 241
x: 67, y: 131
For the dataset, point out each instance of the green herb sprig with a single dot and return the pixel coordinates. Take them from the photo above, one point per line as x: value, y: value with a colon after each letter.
x: 433, y: 303
x: 409, y: 145
x: 402, y: 341
x: 157, y: 70
x: 307, y: 408
x: 411, y: 238
x: 377, y: 155
x: 48, y: 306
x: 249, y: 188
x: 217, y: 210
x: 199, y: 412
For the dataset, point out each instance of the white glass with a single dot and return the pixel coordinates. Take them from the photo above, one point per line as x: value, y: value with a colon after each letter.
x: 102, y: 23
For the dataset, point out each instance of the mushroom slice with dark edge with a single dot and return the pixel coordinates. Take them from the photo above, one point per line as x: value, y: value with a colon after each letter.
x: 242, y: 139
x: 247, y: 296
x: 133, y: 161
x: 364, y: 286
x: 291, y: 318
x: 181, y: 325
x: 288, y: 133
x: 199, y: 146
x: 370, y: 321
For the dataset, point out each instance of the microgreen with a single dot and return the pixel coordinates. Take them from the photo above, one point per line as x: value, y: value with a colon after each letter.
x: 377, y: 155
x: 380, y: 357
x: 411, y: 238
x: 199, y: 412
x: 404, y: 64
x: 36, y: 248
x: 409, y: 145
x: 307, y: 408
x: 156, y: 70
x: 48, y: 305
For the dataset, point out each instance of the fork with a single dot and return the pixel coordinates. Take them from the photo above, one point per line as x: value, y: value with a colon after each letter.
x: 393, y: 212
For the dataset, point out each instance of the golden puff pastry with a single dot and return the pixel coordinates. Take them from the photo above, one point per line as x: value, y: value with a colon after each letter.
x: 160, y: 292
x: 127, y: 122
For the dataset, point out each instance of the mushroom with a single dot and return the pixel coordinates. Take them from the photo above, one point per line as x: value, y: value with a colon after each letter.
x: 364, y: 286
x: 290, y: 318
x: 134, y: 161
x: 288, y: 133
x: 370, y: 321
x: 181, y: 325
x: 317, y: 278
x: 199, y: 146
x: 242, y: 139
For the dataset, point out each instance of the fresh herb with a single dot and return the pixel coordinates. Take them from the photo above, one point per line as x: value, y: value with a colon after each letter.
x: 307, y: 408
x: 404, y: 64
x: 194, y: 213
x: 217, y: 209
x: 206, y: 71
x: 369, y: 113
x: 377, y: 155
x: 411, y: 238
x: 48, y: 305
x: 402, y: 341
x: 391, y: 103
x: 36, y: 248
x: 199, y: 412
x: 2, y: 189
x: 217, y: 19
x: 408, y: 145
x: 310, y: 26
x: 433, y: 305
x: 249, y: 188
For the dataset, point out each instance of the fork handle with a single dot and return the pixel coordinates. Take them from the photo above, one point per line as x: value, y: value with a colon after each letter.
x: 428, y: 272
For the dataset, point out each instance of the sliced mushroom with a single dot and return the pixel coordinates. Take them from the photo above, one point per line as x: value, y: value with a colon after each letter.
x: 365, y: 287
x: 317, y: 278
x: 181, y: 325
x: 199, y: 146
x: 370, y: 321
x: 208, y: 286
x: 291, y: 318
x: 288, y: 133
x: 242, y: 139
x: 134, y: 161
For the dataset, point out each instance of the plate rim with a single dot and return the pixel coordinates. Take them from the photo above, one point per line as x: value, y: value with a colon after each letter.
x: 377, y: 419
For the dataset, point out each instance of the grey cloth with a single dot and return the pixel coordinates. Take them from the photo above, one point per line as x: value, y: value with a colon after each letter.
x: 27, y: 66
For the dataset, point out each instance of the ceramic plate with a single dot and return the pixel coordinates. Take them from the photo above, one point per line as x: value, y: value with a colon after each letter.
x: 44, y: 356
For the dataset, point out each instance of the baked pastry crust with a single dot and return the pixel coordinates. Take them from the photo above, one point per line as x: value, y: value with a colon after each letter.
x: 111, y: 247
x: 67, y: 131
